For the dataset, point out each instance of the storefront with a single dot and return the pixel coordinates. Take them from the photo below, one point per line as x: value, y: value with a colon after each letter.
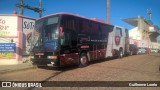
x: 15, y: 38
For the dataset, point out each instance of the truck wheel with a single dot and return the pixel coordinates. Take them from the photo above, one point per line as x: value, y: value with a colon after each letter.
x: 83, y: 61
x: 120, y: 53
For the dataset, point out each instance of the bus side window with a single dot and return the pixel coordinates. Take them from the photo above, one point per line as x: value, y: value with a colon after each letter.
x: 118, y: 31
x: 69, y: 23
x: 65, y: 40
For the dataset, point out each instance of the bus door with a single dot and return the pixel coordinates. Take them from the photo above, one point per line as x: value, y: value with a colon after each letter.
x: 69, y: 54
x: 95, y: 52
x: 103, y: 51
x: 68, y: 40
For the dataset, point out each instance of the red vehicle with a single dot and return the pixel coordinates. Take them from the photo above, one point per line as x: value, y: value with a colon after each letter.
x: 66, y: 39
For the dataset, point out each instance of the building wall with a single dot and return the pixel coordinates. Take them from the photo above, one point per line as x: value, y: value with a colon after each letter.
x: 28, y: 28
x: 9, y: 43
x: 135, y: 34
x: 143, y: 27
x: 11, y: 38
x: 140, y: 34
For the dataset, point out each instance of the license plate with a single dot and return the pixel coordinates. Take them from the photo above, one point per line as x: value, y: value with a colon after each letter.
x: 50, y: 65
x: 39, y: 53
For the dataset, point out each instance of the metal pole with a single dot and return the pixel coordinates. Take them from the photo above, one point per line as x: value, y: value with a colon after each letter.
x: 40, y: 8
x: 108, y: 11
x: 149, y: 11
x: 21, y: 7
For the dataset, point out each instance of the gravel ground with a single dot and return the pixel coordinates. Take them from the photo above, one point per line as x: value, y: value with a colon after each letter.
x: 132, y: 68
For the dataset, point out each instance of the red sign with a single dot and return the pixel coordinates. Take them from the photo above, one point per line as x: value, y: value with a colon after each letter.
x: 117, y: 40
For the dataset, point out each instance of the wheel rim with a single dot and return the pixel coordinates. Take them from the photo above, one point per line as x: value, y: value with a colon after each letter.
x: 83, y: 60
x: 121, y: 54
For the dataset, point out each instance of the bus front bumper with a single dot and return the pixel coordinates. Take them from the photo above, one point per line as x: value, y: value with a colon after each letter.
x: 44, y: 62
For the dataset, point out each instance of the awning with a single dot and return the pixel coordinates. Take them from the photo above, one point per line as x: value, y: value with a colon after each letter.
x: 132, y: 21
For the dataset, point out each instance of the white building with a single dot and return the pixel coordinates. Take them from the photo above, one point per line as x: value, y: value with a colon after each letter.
x: 144, y: 33
x: 15, y: 37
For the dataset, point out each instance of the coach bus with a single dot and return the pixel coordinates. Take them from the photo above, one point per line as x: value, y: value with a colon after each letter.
x: 65, y: 39
x: 118, y: 42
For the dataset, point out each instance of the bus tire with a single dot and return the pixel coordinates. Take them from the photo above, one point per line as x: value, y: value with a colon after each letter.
x: 120, y: 53
x: 83, y: 61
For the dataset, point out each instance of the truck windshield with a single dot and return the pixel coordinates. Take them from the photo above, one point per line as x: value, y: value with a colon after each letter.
x: 46, y: 34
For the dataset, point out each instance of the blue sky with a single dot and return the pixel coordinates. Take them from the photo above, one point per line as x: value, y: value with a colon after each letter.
x: 91, y: 9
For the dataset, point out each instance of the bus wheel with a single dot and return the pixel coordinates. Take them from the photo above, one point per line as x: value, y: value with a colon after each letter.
x: 83, y: 60
x: 120, y: 53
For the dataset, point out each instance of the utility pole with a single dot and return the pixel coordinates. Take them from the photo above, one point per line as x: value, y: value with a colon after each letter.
x: 108, y: 11
x: 149, y: 11
x: 39, y: 9
x: 21, y: 7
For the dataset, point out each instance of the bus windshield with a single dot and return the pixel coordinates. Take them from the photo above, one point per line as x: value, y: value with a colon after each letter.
x: 47, y: 33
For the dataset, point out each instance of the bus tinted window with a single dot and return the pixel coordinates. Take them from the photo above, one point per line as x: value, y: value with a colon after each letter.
x: 68, y: 22
x: 52, y: 20
x: 118, y: 31
x: 47, y: 32
x: 85, y: 26
x: 94, y: 27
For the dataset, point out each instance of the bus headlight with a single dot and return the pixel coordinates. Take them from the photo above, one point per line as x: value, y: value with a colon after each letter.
x: 52, y: 57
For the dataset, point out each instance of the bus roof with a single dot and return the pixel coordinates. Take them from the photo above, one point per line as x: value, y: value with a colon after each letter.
x: 66, y: 13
